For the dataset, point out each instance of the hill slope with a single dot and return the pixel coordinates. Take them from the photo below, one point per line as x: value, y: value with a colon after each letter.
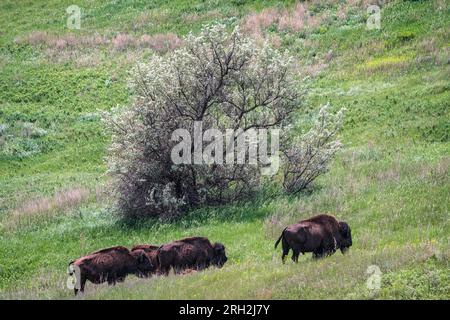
x: 391, y: 182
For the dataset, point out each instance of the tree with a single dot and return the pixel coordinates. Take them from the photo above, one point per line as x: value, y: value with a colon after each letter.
x: 221, y: 79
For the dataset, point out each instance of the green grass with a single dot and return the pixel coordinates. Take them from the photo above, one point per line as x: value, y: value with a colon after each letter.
x: 390, y: 183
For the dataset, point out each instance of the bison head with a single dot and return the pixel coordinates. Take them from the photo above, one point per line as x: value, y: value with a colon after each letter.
x: 346, y: 236
x: 143, y: 266
x: 219, y: 258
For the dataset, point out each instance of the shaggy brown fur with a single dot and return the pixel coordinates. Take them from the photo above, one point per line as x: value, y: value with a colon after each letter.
x: 152, y: 253
x: 110, y: 264
x: 190, y: 253
x: 322, y: 235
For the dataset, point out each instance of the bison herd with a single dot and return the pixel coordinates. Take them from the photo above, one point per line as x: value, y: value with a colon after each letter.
x: 322, y: 235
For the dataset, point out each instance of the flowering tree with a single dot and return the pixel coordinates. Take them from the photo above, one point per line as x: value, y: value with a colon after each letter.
x: 219, y: 78
x: 223, y: 81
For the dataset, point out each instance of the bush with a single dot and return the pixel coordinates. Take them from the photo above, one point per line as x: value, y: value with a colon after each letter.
x: 21, y: 140
x: 223, y: 81
x: 219, y: 78
x: 308, y: 156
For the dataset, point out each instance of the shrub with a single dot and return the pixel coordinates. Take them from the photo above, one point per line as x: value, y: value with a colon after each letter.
x: 21, y: 140
x: 220, y: 78
x: 225, y: 81
x: 308, y: 156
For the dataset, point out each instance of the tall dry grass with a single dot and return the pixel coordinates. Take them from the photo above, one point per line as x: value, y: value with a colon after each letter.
x: 46, y: 207
x: 160, y: 42
x: 294, y: 19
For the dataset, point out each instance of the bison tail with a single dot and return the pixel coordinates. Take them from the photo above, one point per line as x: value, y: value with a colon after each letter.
x: 279, y: 239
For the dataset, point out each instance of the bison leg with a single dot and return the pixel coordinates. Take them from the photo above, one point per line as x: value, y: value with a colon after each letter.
x: 286, y: 249
x: 82, y: 283
x: 111, y: 282
x: 295, y: 254
x: 202, y: 264
x: 165, y: 271
x: 112, y: 279
x: 178, y: 269
x: 283, y: 257
x: 318, y: 254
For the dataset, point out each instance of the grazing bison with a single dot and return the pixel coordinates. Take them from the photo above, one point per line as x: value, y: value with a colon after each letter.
x: 322, y: 235
x: 111, y: 265
x: 152, y: 253
x: 190, y: 253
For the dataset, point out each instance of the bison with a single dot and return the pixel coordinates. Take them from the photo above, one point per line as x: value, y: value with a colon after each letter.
x: 152, y: 253
x: 322, y: 235
x: 195, y: 253
x: 111, y: 265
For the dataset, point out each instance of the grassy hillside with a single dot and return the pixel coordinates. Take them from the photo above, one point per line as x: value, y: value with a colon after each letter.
x: 390, y: 183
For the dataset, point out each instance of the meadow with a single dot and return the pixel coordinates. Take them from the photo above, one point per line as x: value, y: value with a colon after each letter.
x: 390, y: 182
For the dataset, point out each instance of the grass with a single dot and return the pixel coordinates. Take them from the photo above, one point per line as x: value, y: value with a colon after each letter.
x: 390, y: 183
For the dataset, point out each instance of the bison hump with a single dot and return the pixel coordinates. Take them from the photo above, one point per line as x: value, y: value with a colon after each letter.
x: 118, y: 249
x: 194, y: 240
x: 322, y: 219
x: 145, y: 247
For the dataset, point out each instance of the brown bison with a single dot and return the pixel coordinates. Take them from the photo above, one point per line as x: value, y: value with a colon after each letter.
x: 322, y: 235
x: 111, y: 265
x: 190, y: 253
x: 152, y: 253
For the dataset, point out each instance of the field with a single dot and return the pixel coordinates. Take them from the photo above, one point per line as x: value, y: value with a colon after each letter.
x: 390, y: 182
